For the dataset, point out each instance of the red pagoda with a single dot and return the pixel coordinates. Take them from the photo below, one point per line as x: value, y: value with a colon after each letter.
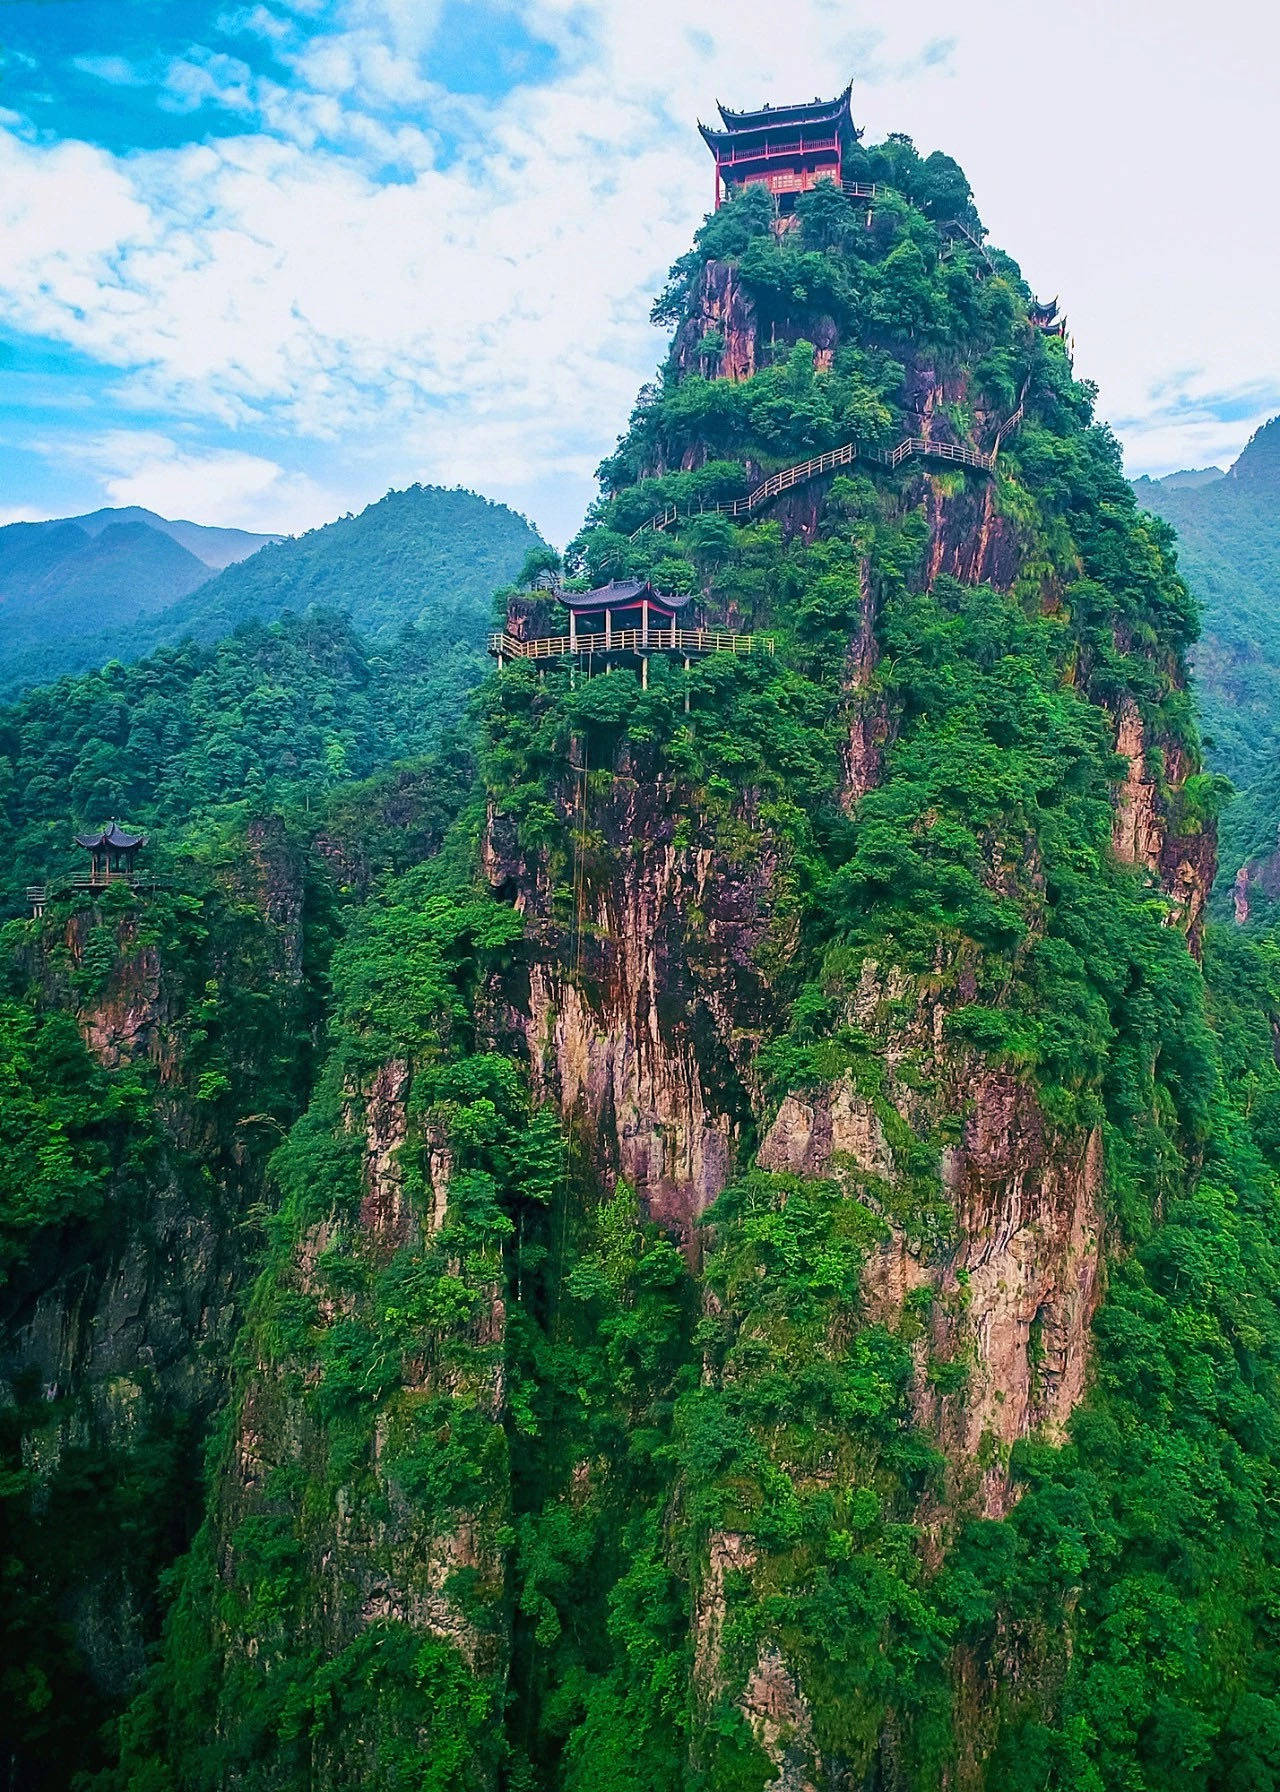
x: 787, y: 149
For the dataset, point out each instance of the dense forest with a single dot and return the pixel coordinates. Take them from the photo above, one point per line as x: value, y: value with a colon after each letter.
x: 706, y: 1232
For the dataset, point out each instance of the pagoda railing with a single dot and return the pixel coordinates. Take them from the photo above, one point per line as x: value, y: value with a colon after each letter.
x: 689, y: 641
x: 763, y: 151
x: 911, y: 447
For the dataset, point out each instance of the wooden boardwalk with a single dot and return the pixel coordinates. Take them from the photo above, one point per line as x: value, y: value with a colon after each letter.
x: 910, y: 448
x: 693, y: 643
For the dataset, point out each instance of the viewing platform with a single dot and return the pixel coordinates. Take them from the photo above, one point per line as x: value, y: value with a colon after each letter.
x: 112, y: 854
x: 627, y: 619
x: 632, y: 642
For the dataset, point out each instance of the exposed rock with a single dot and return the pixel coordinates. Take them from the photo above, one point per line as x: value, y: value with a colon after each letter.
x: 722, y: 307
x: 640, y: 1022
x: 387, y: 1219
x: 1183, y: 864
x: 779, y: 1715
x: 813, y: 1133
x: 1015, y: 1292
x: 1136, y: 833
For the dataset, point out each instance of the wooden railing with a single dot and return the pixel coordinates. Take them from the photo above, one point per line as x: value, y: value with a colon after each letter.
x: 689, y: 641
x: 762, y: 152
x: 974, y: 241
x: 910, y: 447
x: 40, y: 893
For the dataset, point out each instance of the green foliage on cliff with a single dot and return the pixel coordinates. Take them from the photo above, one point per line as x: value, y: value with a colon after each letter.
x: 512, y: 1489
x: 289, y: 714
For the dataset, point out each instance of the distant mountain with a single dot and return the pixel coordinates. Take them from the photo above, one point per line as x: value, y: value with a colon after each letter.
x: 77, y: 593
x: 64, y: 583
x: 426, y: 557
x: 1228, y: 528
x: 1190, y: 478
x: 216, y: 547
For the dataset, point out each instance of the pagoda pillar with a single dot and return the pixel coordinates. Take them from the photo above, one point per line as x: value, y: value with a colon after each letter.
x: 608, y: 631
x: 644, y: 623
x: 573, y: 632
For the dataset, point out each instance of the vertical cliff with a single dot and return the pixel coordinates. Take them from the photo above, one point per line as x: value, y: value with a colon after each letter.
x: 774, y: 1287
x: 172, y: 1035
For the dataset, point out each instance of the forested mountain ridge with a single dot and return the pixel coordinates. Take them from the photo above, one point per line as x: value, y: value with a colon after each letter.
x: 79, y: 594
x: 772, y: 1279
x: 1229, y: 548
x: 425, y: 558
x: 66, y: 580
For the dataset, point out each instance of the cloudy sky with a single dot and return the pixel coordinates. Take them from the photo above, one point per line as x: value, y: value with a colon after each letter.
x: 260, y: 262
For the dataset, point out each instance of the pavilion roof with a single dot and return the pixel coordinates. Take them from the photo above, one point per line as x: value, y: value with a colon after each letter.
x: 837, y: 112
x: 620, y: 593
x: 111, y: 838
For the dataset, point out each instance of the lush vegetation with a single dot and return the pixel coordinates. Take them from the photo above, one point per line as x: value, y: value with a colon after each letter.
x: 425, y: 559
x: 509, y: 1489
x: 1229, y: 540
x: 288, y: 714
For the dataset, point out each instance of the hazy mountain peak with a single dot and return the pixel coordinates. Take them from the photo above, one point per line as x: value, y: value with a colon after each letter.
x: 216, y: 547
x: 1260, y: 461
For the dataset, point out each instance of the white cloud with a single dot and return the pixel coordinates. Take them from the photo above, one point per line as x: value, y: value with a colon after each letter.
x: 482, y: 316
x: 227, y: 487
x: 117, y: 71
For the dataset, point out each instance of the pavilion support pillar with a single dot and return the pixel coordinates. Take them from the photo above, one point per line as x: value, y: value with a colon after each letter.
x: 644, y: 672
x: 644, y: 623
x: 686, y: 684
x: 573, y: 632
x: 608, y: 631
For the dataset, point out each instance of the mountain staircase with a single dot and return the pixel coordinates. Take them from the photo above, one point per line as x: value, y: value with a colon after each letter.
x: 910, y: 448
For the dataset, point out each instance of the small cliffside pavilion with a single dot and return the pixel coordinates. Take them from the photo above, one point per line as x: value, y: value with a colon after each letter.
x: 113, y: 853
x: 787, y: 149
x: 627, y: 619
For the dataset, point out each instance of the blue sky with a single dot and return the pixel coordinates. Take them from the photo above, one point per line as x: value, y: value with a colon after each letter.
x: 258, y: 262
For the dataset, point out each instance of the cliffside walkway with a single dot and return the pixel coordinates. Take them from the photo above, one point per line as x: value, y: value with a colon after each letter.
x: 911, y: 447
x: 691, y: 642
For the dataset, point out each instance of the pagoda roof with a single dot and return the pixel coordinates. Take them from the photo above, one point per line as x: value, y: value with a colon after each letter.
x: 618, y: 593
x: 112, y: 839
x: 837, y: 112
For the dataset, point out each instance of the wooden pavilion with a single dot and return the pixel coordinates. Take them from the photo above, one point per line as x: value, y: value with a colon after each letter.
x: 786, y: 149
x: 626, y: 621
x: 112, y: 852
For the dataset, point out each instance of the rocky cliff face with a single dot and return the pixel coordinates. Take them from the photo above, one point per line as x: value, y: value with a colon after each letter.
x: 117, y: 1334
x: 700, y: 1227
x: 645, y: 1006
